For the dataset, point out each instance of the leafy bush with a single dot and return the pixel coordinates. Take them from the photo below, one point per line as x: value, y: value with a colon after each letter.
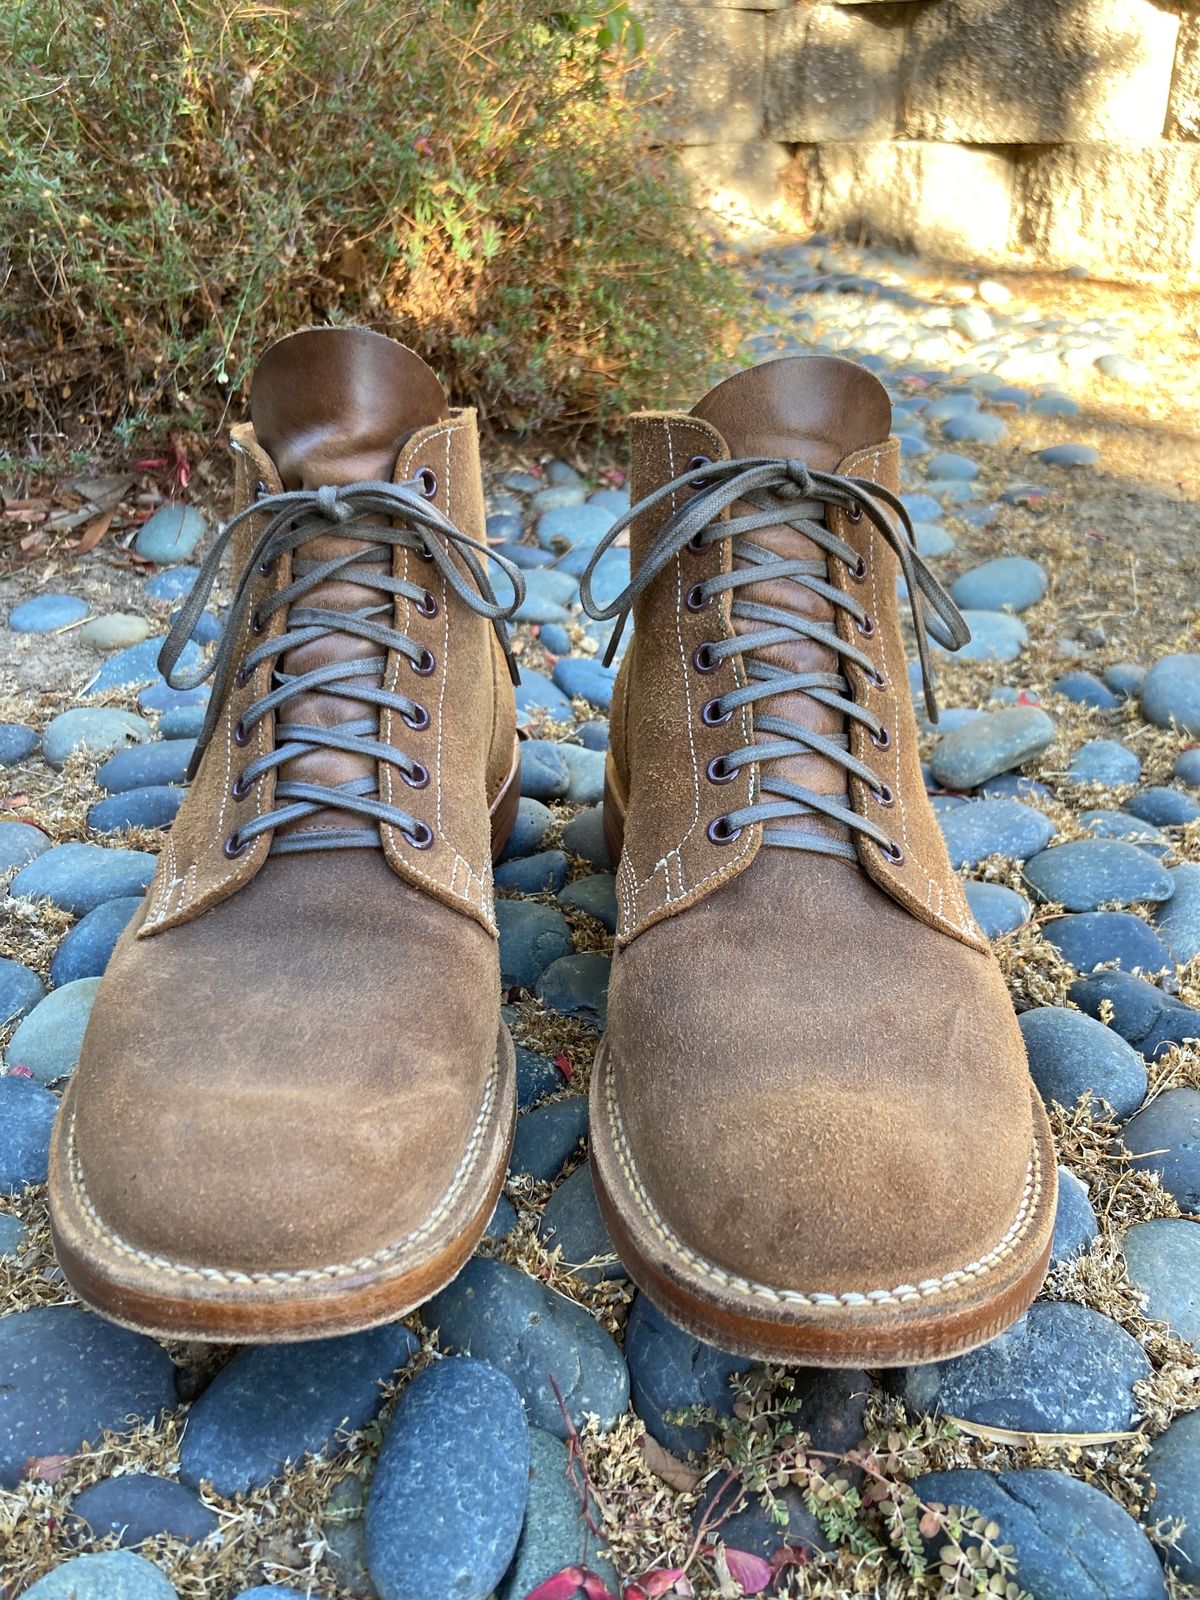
x: 190, y: 178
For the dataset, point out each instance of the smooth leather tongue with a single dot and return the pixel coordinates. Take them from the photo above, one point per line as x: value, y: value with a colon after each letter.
x: 819, y: 410
x: 333, y: 405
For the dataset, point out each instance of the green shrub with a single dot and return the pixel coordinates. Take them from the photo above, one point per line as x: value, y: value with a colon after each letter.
x: 190, y: 178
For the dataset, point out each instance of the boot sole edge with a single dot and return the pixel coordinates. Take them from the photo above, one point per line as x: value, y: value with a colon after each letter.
x: 217, y: 1306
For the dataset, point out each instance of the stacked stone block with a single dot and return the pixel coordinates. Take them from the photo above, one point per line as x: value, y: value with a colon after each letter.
x: 1052, y: 132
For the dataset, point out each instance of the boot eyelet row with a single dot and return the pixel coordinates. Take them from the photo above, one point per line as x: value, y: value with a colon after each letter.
x: 417, y: 719
x: 866, y: 628
x: 711, y: 714
x: 241, y: 786
x: 719, y: 772
x: 881, y: 740
x: 874, y: 677
x: 420, y: 837
x: 882, y: 794
x: 891, y: 852
x: 858, y: 571
x: 427, y: 482
x: 719, y: 831
x: 242, y: 735
x: 696, y: 599
x: 417, y: 778
x: 424, y: 664
x: 427, y: 606
x: 236, y: 846
x: 702, y: 658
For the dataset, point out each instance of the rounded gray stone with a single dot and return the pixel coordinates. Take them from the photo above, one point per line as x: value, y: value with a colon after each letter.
x: 990, y: 744
x: 1069, y: 1540
x: 555, y: 1534
x: 1008, y: 582
x: 995, y: 827
x: 281, y: 1402
x: 68, y: 1376
x: 139, y: 1505
x: 49, y: 1039
x: 1174, y: 1468
x: 997, y: 909
x: 1105, y: 761
x: 1170, y: 693
x: 107, y: 1575
x: 496, y: 1313
x: 95, y: 728
x: 1075, y: 1225
x: 1165, y: 1138
x: 572, y: 1223
x: 1060, y: 1369
x: 671, y: 1371
x: 20, y: 843
x: 1085, y: 874
x: 1070, y: 1054
x: 171, y: 534
x: 1178, y: 921
x: 79, y: 877
x: 448, y: 1498
x: 1163, y: 1260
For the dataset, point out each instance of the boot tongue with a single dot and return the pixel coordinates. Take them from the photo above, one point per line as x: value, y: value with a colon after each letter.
x: 818, y: 410
x: 333, y: 405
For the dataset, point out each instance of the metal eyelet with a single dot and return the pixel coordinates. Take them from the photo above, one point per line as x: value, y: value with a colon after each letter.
x: 257, y: 623
x: 891, y: 852
x: 427, y: 482
x: 874, y: 677
x: 242, y: 677
x: 417, y: 719
x: 718, y: 772
x: 858, y: 571
x: 428, y: 607
x: 881, y: 740
x: 236, y: 846
x: 260, y: 489
x: 241, y: 786
x: 882, y: 794
x: 719, y: 831
x: 854, y: 513
x: 702, y: 658
x: 266, y: 568
x: 242, y: 735
x: 866, y: 627
x: 417, y: 778
x: 424, y: 664
x: 421, y: 837
x: 696, y: 599
x: 696, y: 544
x: 697, y: 462
x: 711, y: 714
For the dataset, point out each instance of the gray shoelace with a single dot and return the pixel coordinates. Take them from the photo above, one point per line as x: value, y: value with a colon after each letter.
x: 293, y: 518
x: 786, y: 492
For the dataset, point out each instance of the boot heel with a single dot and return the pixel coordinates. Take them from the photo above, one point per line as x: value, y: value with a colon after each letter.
x: 613, y: 814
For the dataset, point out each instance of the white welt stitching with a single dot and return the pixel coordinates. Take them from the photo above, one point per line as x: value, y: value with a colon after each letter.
x: 903, y: 1294
x: 342, y: 1269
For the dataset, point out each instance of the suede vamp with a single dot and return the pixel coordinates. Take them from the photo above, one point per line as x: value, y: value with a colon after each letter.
x: 290, y: 1079
x: 819, y: 1090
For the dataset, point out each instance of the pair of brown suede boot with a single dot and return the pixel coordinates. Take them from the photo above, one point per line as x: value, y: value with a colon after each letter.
x: 813, y: 1132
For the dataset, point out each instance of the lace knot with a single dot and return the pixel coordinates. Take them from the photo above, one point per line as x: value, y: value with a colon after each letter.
x: 329, y: 504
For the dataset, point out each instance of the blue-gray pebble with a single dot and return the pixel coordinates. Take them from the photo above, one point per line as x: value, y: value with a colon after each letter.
x: 496, y: 1313
x: 448, y: 1497
x: 69, y: 1375
x: 79, y: 877
x: 27, y: 1113
x: 280, y: 1402
x: 1071, y: 1054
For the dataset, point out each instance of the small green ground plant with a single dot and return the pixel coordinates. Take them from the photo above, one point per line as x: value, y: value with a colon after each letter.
x: 189, y: 178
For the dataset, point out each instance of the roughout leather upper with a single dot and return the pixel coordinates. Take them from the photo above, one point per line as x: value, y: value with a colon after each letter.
x: 288, y: 1053
x: 815, y: 1062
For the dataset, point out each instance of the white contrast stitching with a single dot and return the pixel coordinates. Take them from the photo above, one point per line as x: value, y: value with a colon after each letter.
x: 342, y: 1269
x: 901, y: 1294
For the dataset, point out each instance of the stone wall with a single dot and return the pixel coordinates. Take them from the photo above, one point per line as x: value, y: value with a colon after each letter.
x: 1049, y: 132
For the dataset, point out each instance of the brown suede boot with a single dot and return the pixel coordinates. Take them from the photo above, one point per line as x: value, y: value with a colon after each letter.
x: 295, y: 1100
x: 813, y: 1130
